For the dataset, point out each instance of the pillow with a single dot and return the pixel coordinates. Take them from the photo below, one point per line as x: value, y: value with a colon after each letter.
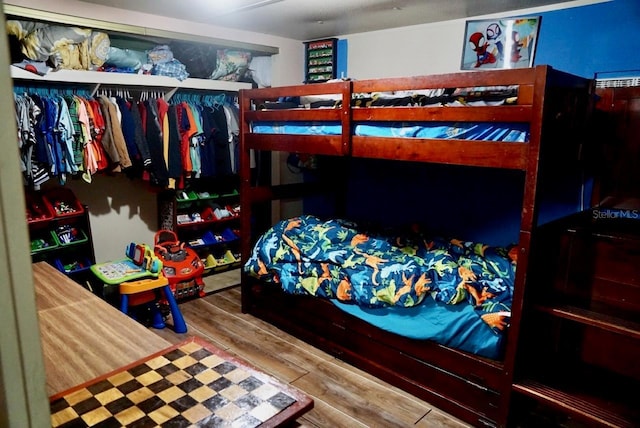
x: 231, y: 65
x: 126, y: 58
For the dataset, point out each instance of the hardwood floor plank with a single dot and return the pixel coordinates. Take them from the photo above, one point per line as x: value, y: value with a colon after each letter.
x: 383, y: 384
x: 229, y: 301
x: 258, y: 347
x: 67, y: 334
x: 368, y: 402
x: 344, y: 396
x: 324, y: 415
x: 437, y: 419
x: 345, y: 387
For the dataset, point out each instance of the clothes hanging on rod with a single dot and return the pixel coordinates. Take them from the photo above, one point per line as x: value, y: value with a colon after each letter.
x: 66, y: 132
x: 212, y: 123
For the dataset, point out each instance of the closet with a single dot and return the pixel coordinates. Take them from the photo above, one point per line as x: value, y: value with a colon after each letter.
x: 212, y: 190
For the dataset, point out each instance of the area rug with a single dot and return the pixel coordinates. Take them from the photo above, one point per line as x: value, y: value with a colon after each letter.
x: 189, y: 384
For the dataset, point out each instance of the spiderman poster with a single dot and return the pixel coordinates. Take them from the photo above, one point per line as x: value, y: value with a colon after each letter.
x: 500, y: 43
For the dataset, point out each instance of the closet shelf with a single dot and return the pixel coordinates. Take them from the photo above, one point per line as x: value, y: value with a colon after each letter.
x: 125, y: 79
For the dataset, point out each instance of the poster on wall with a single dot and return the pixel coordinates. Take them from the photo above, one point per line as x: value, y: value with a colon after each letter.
x: 500, y: 43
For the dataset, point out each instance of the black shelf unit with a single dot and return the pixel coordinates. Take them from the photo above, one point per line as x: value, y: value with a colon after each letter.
x: 206, y: 217
x: 321, y: 57
x: 60, y: 236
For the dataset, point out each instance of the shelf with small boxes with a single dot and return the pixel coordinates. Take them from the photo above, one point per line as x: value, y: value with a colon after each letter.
x: 321, y: 60
x: 59, y: 231
x: 206, y: 217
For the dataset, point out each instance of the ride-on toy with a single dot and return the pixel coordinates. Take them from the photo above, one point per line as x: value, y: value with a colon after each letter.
x: 180, y: 265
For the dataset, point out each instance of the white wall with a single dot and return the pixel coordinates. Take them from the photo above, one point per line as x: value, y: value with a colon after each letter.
x: 408, y: 51
x: 121, y: 210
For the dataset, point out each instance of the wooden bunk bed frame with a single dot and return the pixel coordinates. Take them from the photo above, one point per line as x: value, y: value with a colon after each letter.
x: 474, y: 389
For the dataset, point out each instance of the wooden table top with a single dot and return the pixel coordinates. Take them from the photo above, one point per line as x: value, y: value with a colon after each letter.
x: 84, y: 337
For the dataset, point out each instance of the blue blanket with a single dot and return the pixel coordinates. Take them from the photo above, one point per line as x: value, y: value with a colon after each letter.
x: 334, y: 260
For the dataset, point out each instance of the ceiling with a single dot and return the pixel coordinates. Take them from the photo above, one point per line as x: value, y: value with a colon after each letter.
x: 315, y: 19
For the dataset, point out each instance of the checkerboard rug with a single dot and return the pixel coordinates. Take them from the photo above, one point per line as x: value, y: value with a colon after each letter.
x: 190, y: 384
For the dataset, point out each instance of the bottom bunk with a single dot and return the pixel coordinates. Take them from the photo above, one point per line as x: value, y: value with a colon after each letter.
x: 429, y: 316
x: 466, y: 386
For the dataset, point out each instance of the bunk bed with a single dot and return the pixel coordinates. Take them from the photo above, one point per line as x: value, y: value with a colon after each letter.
x: 527, y: 121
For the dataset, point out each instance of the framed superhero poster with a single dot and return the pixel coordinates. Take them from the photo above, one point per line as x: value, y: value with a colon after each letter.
x: 500, y: 43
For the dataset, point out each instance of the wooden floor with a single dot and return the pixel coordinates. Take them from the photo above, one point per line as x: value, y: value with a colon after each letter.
x: 344, y: 396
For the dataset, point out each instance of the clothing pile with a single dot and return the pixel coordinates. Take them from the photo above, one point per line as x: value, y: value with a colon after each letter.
x: 62, y: 135
x: 39, y: 47
x: 60, y: 46
x: 44, y: 45
x: 158, y: 61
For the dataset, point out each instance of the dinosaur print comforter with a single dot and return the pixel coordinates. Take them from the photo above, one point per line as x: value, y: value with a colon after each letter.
x: 332, y: 259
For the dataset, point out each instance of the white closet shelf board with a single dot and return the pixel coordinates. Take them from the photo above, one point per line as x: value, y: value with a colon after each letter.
x: 126, y: 79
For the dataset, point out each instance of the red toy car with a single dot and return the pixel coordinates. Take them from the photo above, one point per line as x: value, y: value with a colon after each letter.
x: 181, y: 265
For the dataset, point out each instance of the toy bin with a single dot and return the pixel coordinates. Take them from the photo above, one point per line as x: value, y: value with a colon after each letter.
x: 205, y: 196
x: 238, y: 261
x: 207, y: 214
x: 63, y: 203
x: 69, y: 265
x: 233, y: 192
x: 209, y: 262
x: 201, y: 241
x: 44, y: 240
x: 224, y: 261
x: 228, y: 235
x: 186, y: 199
x: 186, y: 196
x: 66, y: 235
x: 38, y: 212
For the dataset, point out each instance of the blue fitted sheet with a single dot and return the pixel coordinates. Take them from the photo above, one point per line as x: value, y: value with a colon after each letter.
x: 507, y: 132
x: 455, y: 326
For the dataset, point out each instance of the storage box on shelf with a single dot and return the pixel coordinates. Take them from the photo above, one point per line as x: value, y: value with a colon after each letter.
x: 207, y: 221
x: 60, y: 231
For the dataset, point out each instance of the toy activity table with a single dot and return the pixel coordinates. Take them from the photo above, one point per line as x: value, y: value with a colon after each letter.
x: 139, y: 277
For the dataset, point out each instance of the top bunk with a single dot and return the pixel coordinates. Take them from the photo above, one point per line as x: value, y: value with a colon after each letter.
x: 483, y: 118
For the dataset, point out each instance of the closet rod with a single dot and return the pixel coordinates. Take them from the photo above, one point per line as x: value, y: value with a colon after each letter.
x: 48, y: 91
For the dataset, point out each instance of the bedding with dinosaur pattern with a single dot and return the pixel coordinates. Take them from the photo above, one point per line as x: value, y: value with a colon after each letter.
x: 334, y: 259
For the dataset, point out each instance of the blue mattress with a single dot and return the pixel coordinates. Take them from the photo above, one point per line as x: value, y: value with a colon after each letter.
x: 507, y: 132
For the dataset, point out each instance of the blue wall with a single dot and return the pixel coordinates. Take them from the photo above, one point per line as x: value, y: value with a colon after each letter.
x: 601, y: 38
x: 588, y: 41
